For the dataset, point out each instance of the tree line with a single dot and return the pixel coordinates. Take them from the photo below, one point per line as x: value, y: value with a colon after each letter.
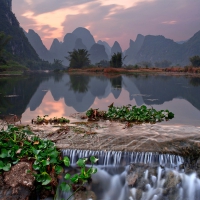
x: 80, y: 58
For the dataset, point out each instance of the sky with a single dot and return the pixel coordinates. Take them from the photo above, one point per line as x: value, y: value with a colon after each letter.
x: 109, y: 20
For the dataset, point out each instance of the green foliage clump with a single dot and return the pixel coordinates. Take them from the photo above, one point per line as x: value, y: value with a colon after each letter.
x: 195, y: 60
x: 20, y: 143
x: 78, y: 58
x: 77, y: 181
x: 17, y: 144
x: 132, y: 114
x: 55, y: 120
x: 116, y: 60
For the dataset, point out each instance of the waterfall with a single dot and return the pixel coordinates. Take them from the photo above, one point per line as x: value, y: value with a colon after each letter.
x: 138, y: 176
x: 124, y: 158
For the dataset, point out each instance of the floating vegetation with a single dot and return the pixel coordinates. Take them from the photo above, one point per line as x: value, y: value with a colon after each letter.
x: 55, y: 120
x: 131, y: 114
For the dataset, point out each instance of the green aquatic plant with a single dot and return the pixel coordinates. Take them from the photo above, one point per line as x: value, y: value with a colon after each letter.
x: 132, y: 114
x: 76, y: 182
x: 60, y: 120
x: 55, y: 120
x: 17, y: 144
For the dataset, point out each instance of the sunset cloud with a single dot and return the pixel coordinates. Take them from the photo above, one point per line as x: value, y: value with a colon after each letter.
x: 170, y: 22
x: 109, y: 20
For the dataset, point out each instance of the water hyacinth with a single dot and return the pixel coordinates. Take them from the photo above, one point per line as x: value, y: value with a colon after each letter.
x: 131, y: 114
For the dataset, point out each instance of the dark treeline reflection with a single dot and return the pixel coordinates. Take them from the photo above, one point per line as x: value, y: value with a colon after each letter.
x: 16, y: 92
x: 80, y: 91
x: 195, y: 81
x: 116, y: 83
x: 79, y: 83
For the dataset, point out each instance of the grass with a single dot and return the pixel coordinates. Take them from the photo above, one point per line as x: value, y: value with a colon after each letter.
x: 111, y: 70
x: 186, y: 69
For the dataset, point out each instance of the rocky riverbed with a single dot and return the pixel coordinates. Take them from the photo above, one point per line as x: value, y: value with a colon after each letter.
x: 117, y: 136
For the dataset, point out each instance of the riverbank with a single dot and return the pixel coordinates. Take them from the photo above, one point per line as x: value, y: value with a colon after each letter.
x: 176, y: 71
x: 108, y: 71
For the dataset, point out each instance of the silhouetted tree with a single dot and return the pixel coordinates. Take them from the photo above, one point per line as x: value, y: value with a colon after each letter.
x: 103, y: 63
x: 195, y: 60
x: 78, y: 58
x: 116, y: 60
x: 57, y: 64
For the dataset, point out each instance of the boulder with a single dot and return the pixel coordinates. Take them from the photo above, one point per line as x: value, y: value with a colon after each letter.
x: 17, y: 183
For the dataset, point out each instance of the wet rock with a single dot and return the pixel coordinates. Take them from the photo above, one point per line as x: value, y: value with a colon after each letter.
x: 142, y: 184
x: 138, y: 194
x: 131, y: 179
x: 17, y: 183
x: 85, y: 195
x: 135, y: 194
x: 18, y: 176
x: 170, y: 185
x: 181, y: 166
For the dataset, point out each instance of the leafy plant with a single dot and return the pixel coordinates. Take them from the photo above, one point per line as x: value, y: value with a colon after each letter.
x: 55, y: 120
x: 61, y: 120
x: 116, y: 60
x: 78, y: 58
x: 77, y: 181
x: 195, y: 60
x: 17, y: 144
x: 132, y: 114
x: 20, y: 143
x: 41, y: 120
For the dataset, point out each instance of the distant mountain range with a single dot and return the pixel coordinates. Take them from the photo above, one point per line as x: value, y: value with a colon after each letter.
x: 148, y: 49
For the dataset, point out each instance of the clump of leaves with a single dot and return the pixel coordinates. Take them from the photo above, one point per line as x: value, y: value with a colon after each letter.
x: 41, y: 120
x: 76, y: 182
x: 60, y: 120
x: 55, y: 120
x: 11, y: 146
x: 20, y: 144
x: 95, y: 114
x: 131, y: 114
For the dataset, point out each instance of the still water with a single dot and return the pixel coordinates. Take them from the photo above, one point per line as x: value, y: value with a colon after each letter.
x: 59, y: 95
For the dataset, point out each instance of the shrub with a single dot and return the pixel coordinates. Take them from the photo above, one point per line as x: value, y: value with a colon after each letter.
x: 195, y: 60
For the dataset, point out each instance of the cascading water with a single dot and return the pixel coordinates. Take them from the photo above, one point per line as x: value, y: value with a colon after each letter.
x: 137, y: 176
x: 117, y: 158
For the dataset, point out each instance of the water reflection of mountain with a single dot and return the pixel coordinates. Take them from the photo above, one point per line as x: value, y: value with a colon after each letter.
x: 19, y: 91
x: 80, y: 91
x: 166, y: 88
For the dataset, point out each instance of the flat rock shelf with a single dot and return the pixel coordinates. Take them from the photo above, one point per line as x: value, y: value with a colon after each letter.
x: 116, y: 136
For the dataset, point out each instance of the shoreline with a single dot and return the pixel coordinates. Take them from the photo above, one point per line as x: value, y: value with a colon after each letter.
x: 111, y: 71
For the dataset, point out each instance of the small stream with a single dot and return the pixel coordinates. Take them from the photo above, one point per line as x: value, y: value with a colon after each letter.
x: 136, y: 176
